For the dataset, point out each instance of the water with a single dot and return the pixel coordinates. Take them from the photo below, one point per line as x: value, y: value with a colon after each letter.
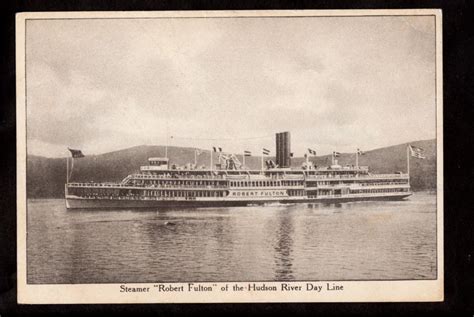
x: 350, y: 241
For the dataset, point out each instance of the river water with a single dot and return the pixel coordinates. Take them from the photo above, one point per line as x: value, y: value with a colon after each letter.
x: 349, y: 241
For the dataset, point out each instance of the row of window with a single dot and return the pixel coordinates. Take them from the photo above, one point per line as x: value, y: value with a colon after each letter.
x: 384, y: 183
x: 112, y: 193
x: 151, y: 175
x: 169, y: 183
x: 365, y: 183
x: 89, y: 191
x: 265, y: 183
x: 324, y: 192
x: 182, y: 193
x: 373, y: 191
x: 296, y: 192
x: 256, y: 193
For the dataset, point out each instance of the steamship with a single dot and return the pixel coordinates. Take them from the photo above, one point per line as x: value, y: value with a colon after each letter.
x: 229, y: 183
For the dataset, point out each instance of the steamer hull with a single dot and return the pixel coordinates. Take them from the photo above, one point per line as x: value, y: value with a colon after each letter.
x: 103, y: 203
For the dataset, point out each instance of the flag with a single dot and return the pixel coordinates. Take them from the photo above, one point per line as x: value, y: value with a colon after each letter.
x: 214, y: 148
x: 291, y: 154
x: 247, y: 153
x: 265, y: 151
x: 336, y: 154
x: 76, y: 153
x: 417, y: 152
x: 312, y: 152
x: 359, y: 152
x: 220, y: 149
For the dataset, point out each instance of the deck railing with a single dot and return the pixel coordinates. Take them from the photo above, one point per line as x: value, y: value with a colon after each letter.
x: 143, y: 186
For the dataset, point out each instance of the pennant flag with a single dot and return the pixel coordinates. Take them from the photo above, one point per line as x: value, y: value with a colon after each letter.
x: 265, y: 151
x: 291, y: 154
x: 336, y: 154
x: 305, y: 155
x: 220, y: 149
x: 247, y: 153
x: 76, y: 153
x: 214, y: 148
x: 360, y: 152
x: 312, y: 152
x: 417, y: 152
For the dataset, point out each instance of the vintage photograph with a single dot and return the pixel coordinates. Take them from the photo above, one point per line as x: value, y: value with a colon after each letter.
x: 167, y: 155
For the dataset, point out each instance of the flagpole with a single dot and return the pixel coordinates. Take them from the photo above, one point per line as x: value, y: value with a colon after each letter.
x: 211, y: 159
x: 243, y: 159
x: 408, y: 160
x: 67, y: 169
x: 72, y: 166
x: 167, y: 137
x: 357, y: 159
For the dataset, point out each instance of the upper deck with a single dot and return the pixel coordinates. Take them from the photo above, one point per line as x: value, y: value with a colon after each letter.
x: 288, y: 174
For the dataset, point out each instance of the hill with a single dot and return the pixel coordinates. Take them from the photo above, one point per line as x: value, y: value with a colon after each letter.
x: 46, y: 176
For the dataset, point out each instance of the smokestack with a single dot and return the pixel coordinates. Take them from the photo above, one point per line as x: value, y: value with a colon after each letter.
x: 283, y: 149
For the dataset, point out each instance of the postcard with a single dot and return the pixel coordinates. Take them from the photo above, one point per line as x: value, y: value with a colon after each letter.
x: 230, y: 156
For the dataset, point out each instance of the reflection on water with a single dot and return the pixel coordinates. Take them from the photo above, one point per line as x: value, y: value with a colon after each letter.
x: 283, y: 249
x: 364, y: 240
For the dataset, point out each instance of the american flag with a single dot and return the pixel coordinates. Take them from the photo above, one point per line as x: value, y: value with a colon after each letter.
x: 417, y: 152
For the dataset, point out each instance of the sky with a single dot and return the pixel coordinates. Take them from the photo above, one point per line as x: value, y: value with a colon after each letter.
x: 336, y: 83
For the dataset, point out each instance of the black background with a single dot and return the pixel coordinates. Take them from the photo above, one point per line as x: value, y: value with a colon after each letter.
x: 458, y: 56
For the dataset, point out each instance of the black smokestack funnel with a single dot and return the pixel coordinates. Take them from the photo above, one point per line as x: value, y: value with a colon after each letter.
x: 283, y: 149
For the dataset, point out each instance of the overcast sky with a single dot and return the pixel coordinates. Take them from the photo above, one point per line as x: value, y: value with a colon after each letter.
x: 335, y: 83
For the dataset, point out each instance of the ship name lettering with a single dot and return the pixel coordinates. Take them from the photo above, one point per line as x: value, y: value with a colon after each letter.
x: 169, y: 288
x: 199, y: 288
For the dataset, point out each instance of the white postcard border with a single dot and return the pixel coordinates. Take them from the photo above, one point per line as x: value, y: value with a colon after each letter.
x: 331, y: 291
